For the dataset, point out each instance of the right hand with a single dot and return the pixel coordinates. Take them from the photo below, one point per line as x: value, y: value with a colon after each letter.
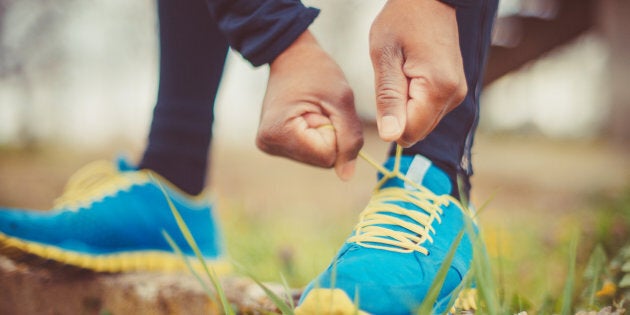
x: 308, y: 112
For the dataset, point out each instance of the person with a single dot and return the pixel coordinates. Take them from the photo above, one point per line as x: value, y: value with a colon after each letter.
x: 428, y: 58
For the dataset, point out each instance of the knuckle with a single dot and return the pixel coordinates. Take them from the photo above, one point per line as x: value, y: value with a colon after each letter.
x: 450, y: 84
x: 377, y: 51
x: 261, y: 143
x: 405, y: 143
x: 461, y: 93
x: 351, y: 140
x: 353, y: 143
x: 449, y: 88
x: 328, y: 162
x: 263, y: 136
x: 407, y: 140
x: 265, y: 140
x: 319, y: 160
x: 388, y: 94
x: 357, y: 144
x: 346, y: 95
x: 358, y: 140
x: 454, y: 80
x: 385, y: 56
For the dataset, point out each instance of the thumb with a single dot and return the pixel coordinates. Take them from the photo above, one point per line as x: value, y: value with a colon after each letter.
x: 391, y: 93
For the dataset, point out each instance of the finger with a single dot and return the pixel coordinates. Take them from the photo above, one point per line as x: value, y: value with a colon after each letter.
x: 317, y: 120
x: 302, y: 138
x: 423, y: 112
x: 391, y: 93
x: 316, y: 146
x: 317, y: 140
x: 349, y: 137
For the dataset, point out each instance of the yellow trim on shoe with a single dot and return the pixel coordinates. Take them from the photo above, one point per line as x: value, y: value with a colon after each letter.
x: 102, y: 178
x: 466, y: 301
x: 123, y: 262
x: 328, y: 302
x: 94, y: 182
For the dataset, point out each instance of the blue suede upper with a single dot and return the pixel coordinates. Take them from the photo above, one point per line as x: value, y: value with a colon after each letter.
x: 127, y: 221
x: 389, y: 282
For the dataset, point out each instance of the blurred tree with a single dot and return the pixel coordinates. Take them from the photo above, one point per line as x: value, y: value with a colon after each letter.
x: 616, y: 29
x: 543, y: 25
x: 539, y: 27
x: 26, y: 44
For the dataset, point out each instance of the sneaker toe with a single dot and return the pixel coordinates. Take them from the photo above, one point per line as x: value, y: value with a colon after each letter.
x: 385, y: 282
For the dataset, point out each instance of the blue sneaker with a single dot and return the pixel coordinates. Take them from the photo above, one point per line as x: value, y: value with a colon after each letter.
x: 390, y: 260
x: 110, y: 219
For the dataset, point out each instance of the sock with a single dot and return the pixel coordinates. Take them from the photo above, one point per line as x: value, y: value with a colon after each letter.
x: 459, y: 178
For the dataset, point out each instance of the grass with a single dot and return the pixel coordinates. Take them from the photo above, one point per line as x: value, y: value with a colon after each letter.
x: 516, y: 274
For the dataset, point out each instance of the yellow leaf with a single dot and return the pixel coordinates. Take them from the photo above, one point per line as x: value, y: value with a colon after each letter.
x: 608, y: 290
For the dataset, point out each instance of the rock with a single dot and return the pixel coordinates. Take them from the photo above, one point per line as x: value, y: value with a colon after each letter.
x: 55, y: 289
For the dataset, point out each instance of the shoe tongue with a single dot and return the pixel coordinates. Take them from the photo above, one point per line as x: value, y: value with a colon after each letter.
x: 124, y: 165
x: 420, y: 170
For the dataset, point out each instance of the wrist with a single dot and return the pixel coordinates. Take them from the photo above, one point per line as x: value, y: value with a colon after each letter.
x: 303, y: 44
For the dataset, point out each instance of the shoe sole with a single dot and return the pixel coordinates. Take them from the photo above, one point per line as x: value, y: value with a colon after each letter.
x: 157, y: 261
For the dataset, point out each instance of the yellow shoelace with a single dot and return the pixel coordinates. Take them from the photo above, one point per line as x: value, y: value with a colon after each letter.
x: 371, y: 231
x: 93, y: 182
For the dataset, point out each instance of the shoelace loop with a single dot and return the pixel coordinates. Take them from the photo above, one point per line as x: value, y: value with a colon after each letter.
x: 372, y: 231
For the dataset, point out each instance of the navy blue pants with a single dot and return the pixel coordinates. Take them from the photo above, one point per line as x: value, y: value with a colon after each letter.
x: 193, y: 48
x: 192, y: 56
x: 449, y: 145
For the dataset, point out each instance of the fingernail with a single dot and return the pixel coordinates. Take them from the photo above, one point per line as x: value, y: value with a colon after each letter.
x: 389, y: 126
x: 347, y: 170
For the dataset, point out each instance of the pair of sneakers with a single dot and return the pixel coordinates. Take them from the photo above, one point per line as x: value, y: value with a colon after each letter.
x: 112, y: 218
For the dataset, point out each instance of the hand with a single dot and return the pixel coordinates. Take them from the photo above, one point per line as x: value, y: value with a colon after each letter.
x: 308, y: 112
x: 418, y: 68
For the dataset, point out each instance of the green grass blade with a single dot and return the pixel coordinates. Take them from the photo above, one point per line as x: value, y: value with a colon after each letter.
x: 436, y: 285
x: 183, y: 227
x: 179, y: 252
x: 466, y: 283
x: 592, y: 273
x: 482, y: 269
x: 567, y: 295
x: 287, y: 289
x: 227, y: 308
x: 485, y: 204
x: 333, y: 274
x: 278, y: 301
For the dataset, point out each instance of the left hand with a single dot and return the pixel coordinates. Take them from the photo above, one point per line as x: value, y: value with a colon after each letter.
x: 418, y: 68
